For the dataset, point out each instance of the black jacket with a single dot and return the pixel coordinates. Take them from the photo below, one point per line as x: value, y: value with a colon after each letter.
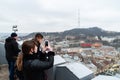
x: 42, y: 56
x: 33, y: 67
x: 11, y: 49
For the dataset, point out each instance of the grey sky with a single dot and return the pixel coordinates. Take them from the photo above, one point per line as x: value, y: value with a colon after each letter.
x: 58, y: 15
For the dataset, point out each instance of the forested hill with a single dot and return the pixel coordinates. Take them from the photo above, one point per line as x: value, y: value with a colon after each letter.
x: 94, y: 31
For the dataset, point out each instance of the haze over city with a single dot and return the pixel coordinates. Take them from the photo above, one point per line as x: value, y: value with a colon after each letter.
x: 58, y: 15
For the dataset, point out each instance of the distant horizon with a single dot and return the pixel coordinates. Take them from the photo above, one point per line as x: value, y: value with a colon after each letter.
x: 58, y: 31
x: 8, y: 34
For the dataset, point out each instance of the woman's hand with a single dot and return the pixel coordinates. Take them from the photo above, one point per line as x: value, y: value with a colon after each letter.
x: 47, y: 49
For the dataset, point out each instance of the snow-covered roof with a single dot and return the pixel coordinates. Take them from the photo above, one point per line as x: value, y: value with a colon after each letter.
x: 79, y: 69
x: 103, y: 77
x: 58, y: 60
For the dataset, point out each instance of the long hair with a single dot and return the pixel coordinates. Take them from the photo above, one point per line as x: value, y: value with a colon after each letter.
x: 26, y: 48
x: 19, y: 62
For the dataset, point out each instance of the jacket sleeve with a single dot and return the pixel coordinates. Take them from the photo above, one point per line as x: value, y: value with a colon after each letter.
x: 16, y: 48
x: 38, y: 64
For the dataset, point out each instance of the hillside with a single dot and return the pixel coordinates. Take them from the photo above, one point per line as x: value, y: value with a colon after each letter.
x: 94, y: 31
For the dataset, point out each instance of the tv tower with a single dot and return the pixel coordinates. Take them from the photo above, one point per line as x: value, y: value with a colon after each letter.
x: 79, y: 18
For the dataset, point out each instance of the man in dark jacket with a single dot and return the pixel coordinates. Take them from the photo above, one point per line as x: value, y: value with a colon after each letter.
x: 39, y: 39
x: 12, y: 50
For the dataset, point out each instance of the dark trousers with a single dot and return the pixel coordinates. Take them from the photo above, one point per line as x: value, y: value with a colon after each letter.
x: 11, y: 67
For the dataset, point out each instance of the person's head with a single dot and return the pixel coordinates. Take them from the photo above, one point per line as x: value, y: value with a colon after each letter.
x: 14, y: 35
x: 29, y: 47
x: 39, y: 37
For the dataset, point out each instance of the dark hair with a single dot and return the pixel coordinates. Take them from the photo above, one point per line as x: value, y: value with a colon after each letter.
x: 13, y: 34
x: 27, y: 46
x: 38, y: 35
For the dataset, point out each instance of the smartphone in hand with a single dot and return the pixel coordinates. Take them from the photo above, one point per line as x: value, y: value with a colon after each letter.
x: 46, y: 43
x: 47, y: 46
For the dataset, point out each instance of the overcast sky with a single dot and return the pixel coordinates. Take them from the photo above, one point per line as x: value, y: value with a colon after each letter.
x: 58, y: 15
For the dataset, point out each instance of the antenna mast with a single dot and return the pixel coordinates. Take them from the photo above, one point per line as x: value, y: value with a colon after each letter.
x: 79, y: 18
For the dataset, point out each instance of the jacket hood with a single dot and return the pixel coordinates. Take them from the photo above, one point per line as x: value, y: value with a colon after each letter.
x: 9, y: 39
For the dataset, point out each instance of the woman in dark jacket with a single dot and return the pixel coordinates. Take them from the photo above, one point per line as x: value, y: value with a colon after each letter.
x: 33, y: 68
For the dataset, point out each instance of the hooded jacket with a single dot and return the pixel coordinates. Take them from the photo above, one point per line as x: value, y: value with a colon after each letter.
x: 11, y: 49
